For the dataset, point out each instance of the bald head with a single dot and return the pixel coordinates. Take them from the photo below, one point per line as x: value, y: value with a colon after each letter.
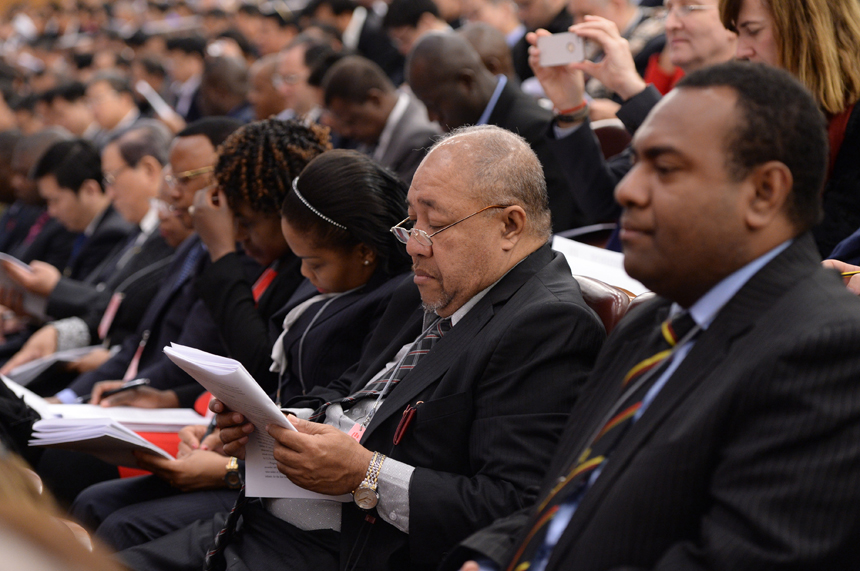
x: 499, y: 167
x: 448, y: 76
x: 491, y: 46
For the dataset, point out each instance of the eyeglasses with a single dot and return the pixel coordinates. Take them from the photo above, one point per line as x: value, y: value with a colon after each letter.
x: 109, y: 178
x: 684, y: 10
x: 184, y: 177
x: 161, y: 206
x: 422, y: 237
x: 280, y: 81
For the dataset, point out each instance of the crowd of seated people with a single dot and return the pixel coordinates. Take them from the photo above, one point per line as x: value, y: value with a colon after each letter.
x: 357, y: 200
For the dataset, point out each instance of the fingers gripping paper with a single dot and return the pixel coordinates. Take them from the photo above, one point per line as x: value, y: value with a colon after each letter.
x: 229, y: 382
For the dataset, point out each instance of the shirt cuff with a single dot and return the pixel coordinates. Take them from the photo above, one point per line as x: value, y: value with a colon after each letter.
x: 72, y: 333
x: 393, y: 482
x: 67, y: 396
x: 561, y: 133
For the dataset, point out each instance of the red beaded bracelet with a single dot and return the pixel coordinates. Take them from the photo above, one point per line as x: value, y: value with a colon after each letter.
x: 573, y: 109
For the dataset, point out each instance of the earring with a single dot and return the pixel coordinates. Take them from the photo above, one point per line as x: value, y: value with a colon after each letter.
x: 366, y: 262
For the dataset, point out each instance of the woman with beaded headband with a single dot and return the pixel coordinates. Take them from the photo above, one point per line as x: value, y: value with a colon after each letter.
x: 336, y: 219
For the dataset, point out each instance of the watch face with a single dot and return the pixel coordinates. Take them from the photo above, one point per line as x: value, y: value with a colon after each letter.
x: 365, y: 498
x: 233, y: 480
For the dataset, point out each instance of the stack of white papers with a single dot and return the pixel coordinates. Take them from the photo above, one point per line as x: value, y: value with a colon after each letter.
x: 230, y: 383
x: 34, y: 305
x: 104, y: 438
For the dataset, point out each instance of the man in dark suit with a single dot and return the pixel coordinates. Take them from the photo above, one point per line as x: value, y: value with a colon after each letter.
x: 470, y: 424
x: 132, y: 167
x: 448, y: 76
x: 69, y: 178
x: 391, y: 126
x: 737, y: 446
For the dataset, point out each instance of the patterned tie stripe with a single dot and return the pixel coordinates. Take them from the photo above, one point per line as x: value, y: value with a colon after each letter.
x: 215, y: 556
x: 396, y: 373
x: 604, y: 442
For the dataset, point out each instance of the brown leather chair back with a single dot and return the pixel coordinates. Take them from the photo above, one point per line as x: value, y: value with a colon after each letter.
x: 608, y: 302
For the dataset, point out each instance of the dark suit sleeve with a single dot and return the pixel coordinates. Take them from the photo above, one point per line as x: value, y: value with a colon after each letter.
x: 71, y: 298
x: 593, y: 178
x: 520, y: 406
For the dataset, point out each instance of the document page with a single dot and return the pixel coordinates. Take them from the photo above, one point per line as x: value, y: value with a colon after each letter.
x: 104, y: 438
x: 34, y: 305
x: 230, y: 383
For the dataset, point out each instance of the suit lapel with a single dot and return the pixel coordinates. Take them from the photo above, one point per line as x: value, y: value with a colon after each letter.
x: 457, y: 341
x: 734, y: 321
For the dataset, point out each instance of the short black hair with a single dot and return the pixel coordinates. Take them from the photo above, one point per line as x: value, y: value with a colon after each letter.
x: 408, y: 12
x: 152, y: 66
x: 280, y: 13
x: 354, y: 191
x: 216, y: 129
x: 118, y: 82
x: 71, y: 163
x: 779, y: 121
x: 187, y: 45
x: 337, y: 6
x: 70, y: 91
x: 321, y: 67
x: 248, y: 49
x: 352, y: 78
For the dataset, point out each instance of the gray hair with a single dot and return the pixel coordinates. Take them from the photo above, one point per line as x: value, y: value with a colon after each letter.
x: 503, y: 169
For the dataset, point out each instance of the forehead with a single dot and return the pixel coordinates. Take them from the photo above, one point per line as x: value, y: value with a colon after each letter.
x: 292, y: 61
x: 440, y: 184
x: 189, y: 153
x: 111, y: 157
x: 99, y: 87
x: 48, y: 185
x: 689, y: 121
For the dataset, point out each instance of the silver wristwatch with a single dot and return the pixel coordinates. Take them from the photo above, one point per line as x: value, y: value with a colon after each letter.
x: 366, y: 497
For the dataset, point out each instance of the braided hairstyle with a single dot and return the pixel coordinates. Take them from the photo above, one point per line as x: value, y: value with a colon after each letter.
x: 352, y: 190
x: 258, y: 162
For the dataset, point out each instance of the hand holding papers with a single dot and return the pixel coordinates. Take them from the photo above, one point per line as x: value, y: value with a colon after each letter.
x: 230, y: 383
x: 10, y: 268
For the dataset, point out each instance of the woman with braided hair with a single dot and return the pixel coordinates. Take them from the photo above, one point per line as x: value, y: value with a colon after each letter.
x: 336, y: 218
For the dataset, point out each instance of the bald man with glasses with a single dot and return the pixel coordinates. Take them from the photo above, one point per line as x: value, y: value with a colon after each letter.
x: 449, y: 418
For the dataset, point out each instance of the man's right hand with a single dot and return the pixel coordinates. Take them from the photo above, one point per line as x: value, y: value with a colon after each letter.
x: 564, y: 85
x: 41, y: 344
x: 141, y: 397
x: 616, y: 70
x: 234, y: 429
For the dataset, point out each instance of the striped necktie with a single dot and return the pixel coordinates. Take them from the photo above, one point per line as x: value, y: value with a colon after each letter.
x: 388, y: 381
x: 635, y: 385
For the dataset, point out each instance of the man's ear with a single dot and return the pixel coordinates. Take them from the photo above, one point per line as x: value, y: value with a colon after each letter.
x: 467, y: 78
x: 89, y: 188
x: 772, y: 184
x: 514, y: 220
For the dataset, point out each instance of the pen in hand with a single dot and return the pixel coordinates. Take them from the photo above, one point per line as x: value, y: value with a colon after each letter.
x: 127, y: 386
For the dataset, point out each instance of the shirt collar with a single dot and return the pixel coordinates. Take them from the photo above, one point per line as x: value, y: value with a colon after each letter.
x: 149, y: 222
x: 512, y: 37
x: 353, y: 29
x: 485, y: 116
x: 97, y: 219
x: 390, y: 124
x: 706, y: 308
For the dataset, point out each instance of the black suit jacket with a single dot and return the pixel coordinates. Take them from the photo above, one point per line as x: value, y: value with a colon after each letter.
x: 748, y: 458
x: 375, y: 45
x: 491, y: 398
x: 176, y: 314
x: 53, y: 244
x: 338, y: 336
x: 111, y: 231
x: 410, y: 139
x: 591, y: 177
x: 15, y: 224
x: 518, y: 112
x: 246, y: 329
x: 80, y: 297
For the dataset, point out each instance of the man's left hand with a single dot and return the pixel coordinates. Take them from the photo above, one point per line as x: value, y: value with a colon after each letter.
x: 199, y: 470
x: 319, y: 457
